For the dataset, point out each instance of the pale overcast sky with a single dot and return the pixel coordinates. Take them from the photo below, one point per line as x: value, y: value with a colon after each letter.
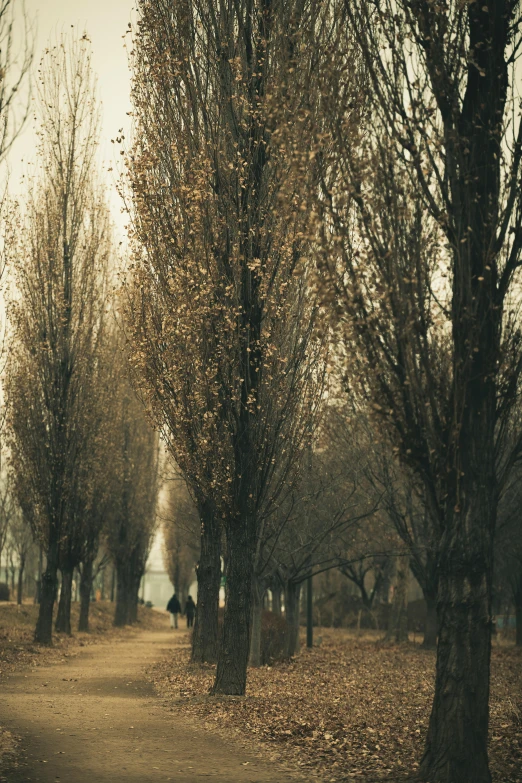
x: 105, y: 21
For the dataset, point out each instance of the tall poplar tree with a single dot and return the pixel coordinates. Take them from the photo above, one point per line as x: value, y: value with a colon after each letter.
x: 422, y: 235
x: 60, y: 250
x: 222, y: 328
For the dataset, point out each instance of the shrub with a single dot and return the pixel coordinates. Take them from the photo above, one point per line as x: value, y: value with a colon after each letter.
x: 4, y: 591
x: 273, y: 636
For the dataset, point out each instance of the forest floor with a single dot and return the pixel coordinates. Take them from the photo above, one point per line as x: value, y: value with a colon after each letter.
x: 19, y: 653
x: 349, y: 709
x: 91, y: 715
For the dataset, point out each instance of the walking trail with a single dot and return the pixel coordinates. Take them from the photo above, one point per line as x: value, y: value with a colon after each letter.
x: 95, y: 719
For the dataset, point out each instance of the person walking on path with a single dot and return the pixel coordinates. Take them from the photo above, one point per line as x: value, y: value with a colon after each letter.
x: 174, y: 607
x: 190, y: 611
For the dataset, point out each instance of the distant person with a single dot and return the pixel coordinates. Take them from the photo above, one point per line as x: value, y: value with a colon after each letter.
x: 190, y: 611
x: 174, y: 607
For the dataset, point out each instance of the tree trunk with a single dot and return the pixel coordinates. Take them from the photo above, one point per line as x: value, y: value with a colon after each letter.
x: 257, y: 612
x: 231, y: 673
x: 63, y: 617
x: 77, y: 581
x: 123, y: 589
x: 398, y: 619
x: 205, y: 634
x: 456, y: 746
x: 176, y: 585
x: 13, y: 575
x: 292, y: 595
x: 21, y: 569
x: 276, y: 601
x: 401, y: 630
x: 113, y: 583
x: 518, y: 623
x: 86, y: 576
x: 431, y: 629
x: 518, y: 613
x: 133, y: 599
x: 44, y: 626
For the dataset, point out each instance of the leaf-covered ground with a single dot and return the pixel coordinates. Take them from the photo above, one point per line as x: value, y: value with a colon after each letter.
x: 349, y: 710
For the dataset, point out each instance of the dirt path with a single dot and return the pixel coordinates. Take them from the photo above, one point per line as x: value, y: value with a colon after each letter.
x: 94, y: 719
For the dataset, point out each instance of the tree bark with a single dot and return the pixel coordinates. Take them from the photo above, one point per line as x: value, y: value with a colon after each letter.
x: 38, y: 585
x: 398, y: 619
x: 133, y: 599
x: 292, y: 595
x: 123, y: 589
x: 86, y: 577
x: 456, y: 746
x: 20, y: 592
x: 44, y: 626
x: 431, y: 629
x: 518, y: 613
x: 309, y: 612
x: 401, y: 631
x: 63, y: 617
x: 13, y: 576
x: 276, y: 601
x: 257, y: 613
x: 231, y: 673
x: 205, y: 634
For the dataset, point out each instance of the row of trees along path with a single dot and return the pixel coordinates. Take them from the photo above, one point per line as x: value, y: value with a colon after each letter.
x: 83, y: 457
x: 388, y: 135
x: 309, y: 184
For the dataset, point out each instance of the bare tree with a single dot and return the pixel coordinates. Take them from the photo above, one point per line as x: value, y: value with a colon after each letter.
x: 365, y: 549
x: 422, y: 234
x: 403, y: 502
x: 181, y: 535
x: 192, y: 535
x: 400, y: 497
x: 317, y: 526
x: 22, y: 540
x: 7, y: 508
x: 95, y: 476
x: 222, y: 329
x: 87, y: 496
x: 60, y: 250
x: 366, y: 570
x: 133, y: 482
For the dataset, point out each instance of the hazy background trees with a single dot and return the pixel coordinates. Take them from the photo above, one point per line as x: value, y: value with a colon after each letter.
x: 181, y: 536
x: 133, y: 473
